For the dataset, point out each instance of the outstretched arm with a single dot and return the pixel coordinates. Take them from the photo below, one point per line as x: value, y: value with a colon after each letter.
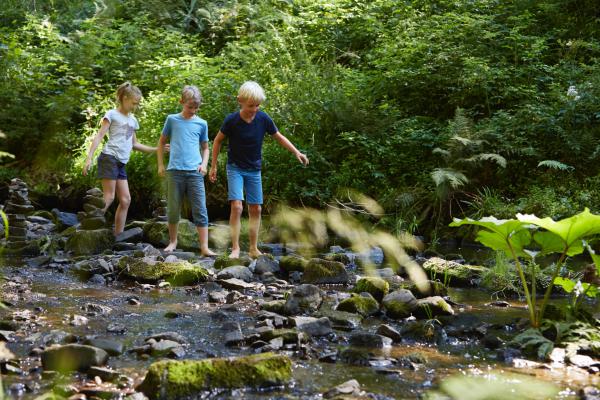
x: 147, y: 149
x: 286, y: 144
x: 95, y: 142
x: 212, y: 175
x: 160, y: 149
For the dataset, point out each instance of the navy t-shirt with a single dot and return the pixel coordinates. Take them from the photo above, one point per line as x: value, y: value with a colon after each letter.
x: 246, y: 139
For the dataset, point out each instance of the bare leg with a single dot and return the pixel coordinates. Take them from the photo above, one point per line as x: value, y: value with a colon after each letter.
x: 172, y: 237
x: 234, y: 226
x: 254, y: 212
x: 124, y: 202
x: 108, y: 191
x: 203, y: 237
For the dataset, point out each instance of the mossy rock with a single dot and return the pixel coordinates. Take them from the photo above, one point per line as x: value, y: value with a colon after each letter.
x: 292, y: 263
x: 86, y: 242
x: 224, y: 261
x: 451, y: 272
x: 183, y: 379
x: 376, y: 287
x: 431, y: 307
x: 340, y: 319
x: 319, y: 271
x: 180, y: 273
x: 399, y: 304
x: 339, y: 257
x: 288, y: 335
x: 276, y: 306
x: 363, y: 304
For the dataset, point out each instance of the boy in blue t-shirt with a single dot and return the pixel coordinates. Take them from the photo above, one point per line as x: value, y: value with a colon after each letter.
x: 246, y: 130
x: 187, y: 133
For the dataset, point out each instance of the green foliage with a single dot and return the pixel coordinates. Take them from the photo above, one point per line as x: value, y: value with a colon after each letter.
x: 382, y: 96
x: 566, y: 237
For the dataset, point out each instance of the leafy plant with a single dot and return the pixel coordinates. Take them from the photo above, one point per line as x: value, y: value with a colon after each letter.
x: 565, y: 237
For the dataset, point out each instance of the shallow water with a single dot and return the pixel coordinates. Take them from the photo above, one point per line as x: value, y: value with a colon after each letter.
x: 62, y: 294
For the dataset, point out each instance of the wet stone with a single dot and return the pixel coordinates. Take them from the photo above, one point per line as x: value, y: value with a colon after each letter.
x: 366, y: 339
x: 388, y: 331
x: 116, y: 328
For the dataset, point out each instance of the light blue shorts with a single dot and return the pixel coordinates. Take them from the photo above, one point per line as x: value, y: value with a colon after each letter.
x: 240, y: 180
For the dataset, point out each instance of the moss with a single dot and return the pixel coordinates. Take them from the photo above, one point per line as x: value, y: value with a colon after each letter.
x: 432, y: 306
x: 180, y: 273
x: 376, y: 287
x: 223, y: 261
x: 179, y: 379
x: 292, y: 263
x: 320, y: 271
x: 452, y: 272
x: 359, y: 304
x: 276, y: 306
x: 339, y: 257
x: 436, y: 288
x: 86, y: 242
x: 288, y: 335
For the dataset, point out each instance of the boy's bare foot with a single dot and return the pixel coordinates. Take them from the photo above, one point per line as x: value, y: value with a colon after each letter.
x: 234, y: 254
x: 170, y: 247
x: 255, y: 253
x: 207, y: 253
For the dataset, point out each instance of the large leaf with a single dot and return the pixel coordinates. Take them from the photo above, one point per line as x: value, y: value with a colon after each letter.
x: 497, y: 386
x: 500, y: 234
x: 568, y: 232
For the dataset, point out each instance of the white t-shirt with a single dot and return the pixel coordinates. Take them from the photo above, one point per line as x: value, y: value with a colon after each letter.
x: 120, y: 135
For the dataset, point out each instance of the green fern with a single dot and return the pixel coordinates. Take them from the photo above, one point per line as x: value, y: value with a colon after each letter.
x: 553, y: 164
x: 449, y: 177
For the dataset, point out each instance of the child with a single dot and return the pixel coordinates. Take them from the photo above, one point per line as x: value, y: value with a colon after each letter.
x: 121, y: 125
x: 245, y: 130
x: 187, y: 133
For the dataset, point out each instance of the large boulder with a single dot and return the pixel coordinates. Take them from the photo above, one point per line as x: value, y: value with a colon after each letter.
x: 73, y: 357
x: 186, y: 378
x: 363, y: 304
x: 179, y: 273
x: 86, y: 242
x: 319, y: 271
x: 303, y: 299
x: 375, y: 286
x: 451, y: 272
x: 399, y: 304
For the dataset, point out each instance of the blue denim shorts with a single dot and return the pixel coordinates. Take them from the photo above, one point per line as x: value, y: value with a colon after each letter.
x: 240, y: 180
x: 110, y: 168
x: 190, y: 184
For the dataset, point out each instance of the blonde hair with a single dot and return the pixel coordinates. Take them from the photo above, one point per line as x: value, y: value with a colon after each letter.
x: 251, y: 90
x: 191, y: 93
x: 128, y: 90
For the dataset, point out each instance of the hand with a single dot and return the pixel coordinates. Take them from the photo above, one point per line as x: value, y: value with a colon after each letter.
x: 166, y: 148
x: 161, y: 170
x: 86, y: 167
x: 202, y: 169
x: 302, y: 158
x: 212, y: 175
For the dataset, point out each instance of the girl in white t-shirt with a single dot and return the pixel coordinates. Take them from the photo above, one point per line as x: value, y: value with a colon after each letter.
x: 121, y: 125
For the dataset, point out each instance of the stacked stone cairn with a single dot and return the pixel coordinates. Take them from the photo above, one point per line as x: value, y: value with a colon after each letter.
x: 17, y: 208
x: 160, y: 213
x: 92, y: 236
x: 92, y: 216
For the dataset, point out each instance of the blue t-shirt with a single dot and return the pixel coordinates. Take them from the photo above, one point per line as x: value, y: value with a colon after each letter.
x: 185, y: 138
x: 246, y: 139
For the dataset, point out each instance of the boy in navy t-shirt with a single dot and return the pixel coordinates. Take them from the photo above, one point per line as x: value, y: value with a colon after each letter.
x: 246, y: 130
